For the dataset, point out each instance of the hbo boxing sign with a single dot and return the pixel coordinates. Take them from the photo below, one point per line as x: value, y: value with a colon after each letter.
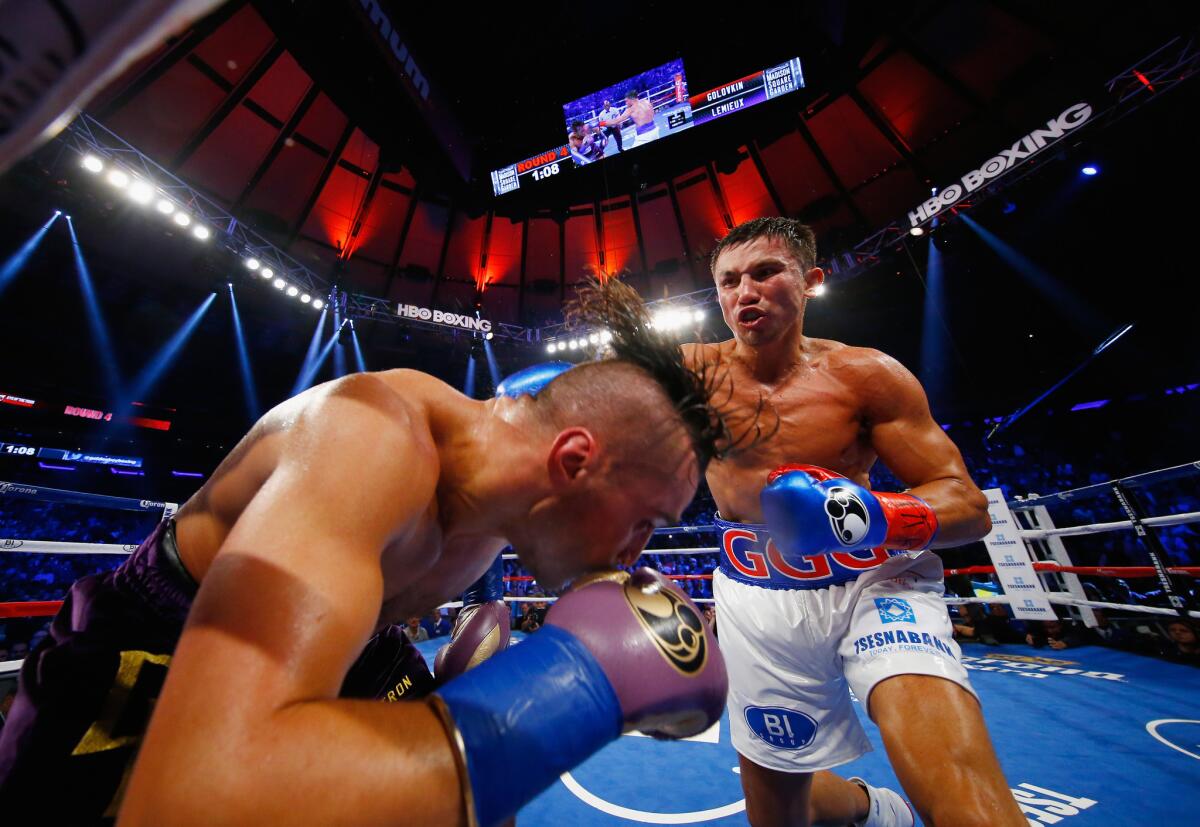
x: 1002, y: 162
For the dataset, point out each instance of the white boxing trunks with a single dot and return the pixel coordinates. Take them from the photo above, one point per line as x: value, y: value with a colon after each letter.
x: 798, y: 638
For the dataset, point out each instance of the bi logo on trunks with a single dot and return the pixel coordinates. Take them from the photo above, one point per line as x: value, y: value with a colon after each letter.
x: 673, y: 625
x: 895, y: 610
x: 847, y: 515
x: 781, y: 728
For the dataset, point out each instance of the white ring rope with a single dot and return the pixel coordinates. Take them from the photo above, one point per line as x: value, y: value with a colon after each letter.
x: 1066, y: 600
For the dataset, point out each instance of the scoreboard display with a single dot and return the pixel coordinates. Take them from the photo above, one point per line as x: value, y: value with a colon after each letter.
x: 700, y: 109
x: 749, y: 91
x: 14, y: 450
x: 537, y: 168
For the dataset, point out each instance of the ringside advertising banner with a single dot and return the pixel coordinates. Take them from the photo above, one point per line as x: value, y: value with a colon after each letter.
x: 1013, y: 566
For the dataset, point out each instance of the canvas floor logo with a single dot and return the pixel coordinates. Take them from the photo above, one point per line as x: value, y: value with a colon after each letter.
x: 1180, y: 734
x: 710, y: 736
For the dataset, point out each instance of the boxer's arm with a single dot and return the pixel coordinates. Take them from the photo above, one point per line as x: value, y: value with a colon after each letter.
x: 916, y: 449
x: 248, y: 728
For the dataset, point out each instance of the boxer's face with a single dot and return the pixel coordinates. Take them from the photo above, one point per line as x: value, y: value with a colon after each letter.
x: 604, y: 518
x: 762, y: 289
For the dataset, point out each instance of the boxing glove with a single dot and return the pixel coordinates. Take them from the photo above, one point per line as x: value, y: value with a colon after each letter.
x: 810, y: 510
x: 618, y: 652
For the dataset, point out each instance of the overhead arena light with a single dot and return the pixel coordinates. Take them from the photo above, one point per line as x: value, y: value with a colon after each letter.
x: 551, y: 348
x: 606, y: 336
x: 252, y: 263
x: 594, y: 338
x: 164, y: 206
x: 318, y: 304
x: 182, y: 219
x: 141, y: 192
x: 92, y: 164
x: 819, y: 290
x: 698, y: 316
x: 573, y: 344
x: 306, y: 298
x: 279, y: 284
x: 267, y: 272
x: 917, y: 231
x: 489, y: 335
x: 118, y: 178
x: 1090, y: 170
x: 201, y: 232
x: 293, y: 291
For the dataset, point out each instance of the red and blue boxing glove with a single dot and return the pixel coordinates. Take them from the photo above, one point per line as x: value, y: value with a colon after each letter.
x: 810, y: 510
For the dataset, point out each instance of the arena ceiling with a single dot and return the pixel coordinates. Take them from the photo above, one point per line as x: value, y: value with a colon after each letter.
x: 292, y: 117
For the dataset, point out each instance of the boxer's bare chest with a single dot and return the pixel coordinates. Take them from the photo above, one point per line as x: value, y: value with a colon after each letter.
x: 816, y: 416
x: 421, y: 568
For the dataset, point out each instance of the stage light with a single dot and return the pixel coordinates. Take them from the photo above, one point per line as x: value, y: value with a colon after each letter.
x: 293, y: 291
x: 252, y: 263
x: 164, y: 206
x: 606, y: 336
x: 594, y: 338
x: 118, y: 178
x: 490, y: 335
x: 551, y: 348
x: 201, y: 232
x: 318, y: 304
x: 141, y: 192
x: 573, y: 344
x: 306, y: 298
x: 698, y: 316
x: 917, y: 231
x: 92, y: 164
x: 1090, y: 170
x: 182, y: 219
x: 819, y: 290
x: 279, y: 283
x: 267, y: 273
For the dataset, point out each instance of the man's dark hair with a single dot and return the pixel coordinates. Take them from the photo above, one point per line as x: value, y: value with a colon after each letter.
x: 714, y: 427
x: 632, y: 93
x: 796, y: 236
x: 576, y: 126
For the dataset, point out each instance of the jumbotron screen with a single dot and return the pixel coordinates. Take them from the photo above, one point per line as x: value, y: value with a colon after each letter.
x: 606, y: 123
x: 628, y: 114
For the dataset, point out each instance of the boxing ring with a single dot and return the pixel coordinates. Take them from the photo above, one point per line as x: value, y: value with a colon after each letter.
x: 1088, y: 735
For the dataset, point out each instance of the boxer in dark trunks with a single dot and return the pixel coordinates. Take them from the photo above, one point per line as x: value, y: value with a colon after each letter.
x: 356, y: 504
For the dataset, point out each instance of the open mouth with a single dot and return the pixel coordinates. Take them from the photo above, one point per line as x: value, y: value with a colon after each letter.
x: 750, y: 315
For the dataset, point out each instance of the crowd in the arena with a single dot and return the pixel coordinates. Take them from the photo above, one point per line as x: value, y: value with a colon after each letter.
x: 1017, y: 467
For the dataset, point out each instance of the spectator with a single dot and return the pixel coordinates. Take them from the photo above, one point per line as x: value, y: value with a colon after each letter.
x: 535, y: 616
x: 997, y: 627
x: 1183, y: 644
x: 1056, y: 634
x: 710, y: 617
x: 415, y: 631
x: 441, y: 623
x: 6, y: 704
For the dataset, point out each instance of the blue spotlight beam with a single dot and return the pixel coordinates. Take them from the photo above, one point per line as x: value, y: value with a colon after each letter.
x: 99, y: 329
x: 308, y: 375
x: 1040, y: 280
x: 165, y: 357
x: 249, y: 392
x: 20, y: 258
x: 339, y: 352
x: 935, y: 338
x: 359, y: 362
x: 469, y: 384
x: 493, y: 368
x: 314, y: 347
x: 1108, y: 342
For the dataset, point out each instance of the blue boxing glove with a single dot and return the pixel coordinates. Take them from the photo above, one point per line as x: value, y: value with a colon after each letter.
x: 810, y: 510
x: 532, y: 379
x: 618, y: 652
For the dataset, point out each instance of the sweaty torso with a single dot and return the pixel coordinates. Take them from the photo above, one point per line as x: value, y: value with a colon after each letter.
x: 819, y: 406
x: 420, y: 568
